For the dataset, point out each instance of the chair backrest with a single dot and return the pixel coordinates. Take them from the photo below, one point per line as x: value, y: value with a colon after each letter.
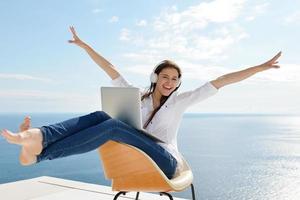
x: 131, y: 169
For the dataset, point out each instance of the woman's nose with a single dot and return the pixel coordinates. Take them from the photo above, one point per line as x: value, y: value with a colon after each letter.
x: 168, y: 82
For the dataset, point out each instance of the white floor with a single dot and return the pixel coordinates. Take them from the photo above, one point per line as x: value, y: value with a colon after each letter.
x: 50, y: 188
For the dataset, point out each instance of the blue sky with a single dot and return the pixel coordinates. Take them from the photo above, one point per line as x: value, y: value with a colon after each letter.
x: 41, y: 72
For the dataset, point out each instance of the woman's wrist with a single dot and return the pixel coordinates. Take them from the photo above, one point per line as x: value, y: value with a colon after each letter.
x: 84, y: 46
x: 260, y: 68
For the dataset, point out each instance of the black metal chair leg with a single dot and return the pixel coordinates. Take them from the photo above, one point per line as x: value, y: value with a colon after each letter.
x: 118, y: 194
x: 193, y: 192
x: 137, y: 196
x: 161, y: 194
x: 167, y: 194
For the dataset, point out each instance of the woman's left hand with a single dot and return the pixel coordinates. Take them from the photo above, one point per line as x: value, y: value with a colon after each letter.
x: 271, y: 63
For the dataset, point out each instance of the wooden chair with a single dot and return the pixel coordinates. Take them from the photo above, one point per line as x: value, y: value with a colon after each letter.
x: 130, y: 169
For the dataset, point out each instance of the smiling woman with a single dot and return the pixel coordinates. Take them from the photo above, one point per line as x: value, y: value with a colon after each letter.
x: 165, y: 79
x: 162, y: 110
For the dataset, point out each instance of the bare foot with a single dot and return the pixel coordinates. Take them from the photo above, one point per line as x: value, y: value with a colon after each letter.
x: 25, y: 158
x: 26, y: 124
x: 30, y: 140
x: 29, y: 148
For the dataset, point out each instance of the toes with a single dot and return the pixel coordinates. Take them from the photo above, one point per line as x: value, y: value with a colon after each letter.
x: 5, y: 133
x: 26, y: 124
x: 27, y: 119
x: 11, y: 137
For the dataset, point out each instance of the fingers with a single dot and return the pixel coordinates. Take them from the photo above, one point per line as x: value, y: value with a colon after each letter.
x: 75, y: 37
x: 276, y: 57
x: 74, y: 34
x: 7, y: 134
x: 27, y: 119
x: 2, y: 132
x: 11, y: 137
x: 25, y: 124
x: 73, y: 30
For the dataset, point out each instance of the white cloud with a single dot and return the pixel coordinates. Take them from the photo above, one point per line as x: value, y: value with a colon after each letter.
x: 144, y: 56
x: 125, y: 34
x: 35, y: 95
x: 189, y: 70
x: 96, y: 11
x: 28, y: 94
x: 199, y: 16
x: 140, y: 69
x: 216, y: 11
x: 257, y: 10
x: 45, y: 101
x: 196, y: 41
x: 141, y: 23
x: 24, y: 77
x: 286, y: 73
x: 261, y: 8
x: 114, y: 19
x: 200, y: 71
x: 293, y: 18
x: 184, y: 34
x: 250, y: 18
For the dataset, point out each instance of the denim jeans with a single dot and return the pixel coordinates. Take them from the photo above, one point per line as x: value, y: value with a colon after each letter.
x: 86, y: 133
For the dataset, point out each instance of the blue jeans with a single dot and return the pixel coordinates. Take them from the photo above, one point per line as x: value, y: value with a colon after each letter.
x: 86, y: 133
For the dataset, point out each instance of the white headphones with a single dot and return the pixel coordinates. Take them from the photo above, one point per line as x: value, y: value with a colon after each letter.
x: 154, y: 76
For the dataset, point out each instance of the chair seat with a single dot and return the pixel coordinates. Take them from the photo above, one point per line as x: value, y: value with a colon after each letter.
x: 133, y: 170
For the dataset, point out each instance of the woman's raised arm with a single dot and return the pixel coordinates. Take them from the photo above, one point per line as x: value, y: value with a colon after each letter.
x: 97, y: 58
x: 243, y: 74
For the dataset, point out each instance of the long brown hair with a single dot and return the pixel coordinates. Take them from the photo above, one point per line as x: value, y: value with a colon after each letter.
x: 164, y: 64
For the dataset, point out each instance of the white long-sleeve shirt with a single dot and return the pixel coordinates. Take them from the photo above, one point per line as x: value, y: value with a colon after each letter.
x: 165, y: 123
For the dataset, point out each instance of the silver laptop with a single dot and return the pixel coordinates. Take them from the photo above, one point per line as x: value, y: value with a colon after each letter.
x: 124, y: 103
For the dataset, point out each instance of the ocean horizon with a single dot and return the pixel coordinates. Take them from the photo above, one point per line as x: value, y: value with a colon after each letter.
x: 232, y: 155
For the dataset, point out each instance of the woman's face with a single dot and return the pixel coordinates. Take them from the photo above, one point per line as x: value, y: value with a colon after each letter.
x: 167, y: 81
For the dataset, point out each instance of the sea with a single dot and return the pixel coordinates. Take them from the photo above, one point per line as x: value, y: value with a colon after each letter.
x: 232, y: 156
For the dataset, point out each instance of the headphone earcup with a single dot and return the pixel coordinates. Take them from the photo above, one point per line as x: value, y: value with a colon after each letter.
x: 153, y: 77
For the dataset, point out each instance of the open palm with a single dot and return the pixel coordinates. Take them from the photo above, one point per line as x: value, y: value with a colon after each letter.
x: 272, y: 63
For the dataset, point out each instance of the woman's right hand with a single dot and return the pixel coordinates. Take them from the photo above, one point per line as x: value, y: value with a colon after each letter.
x: 76, y: 40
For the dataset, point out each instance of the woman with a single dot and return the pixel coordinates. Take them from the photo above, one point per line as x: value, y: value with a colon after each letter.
x: 162, y: 110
